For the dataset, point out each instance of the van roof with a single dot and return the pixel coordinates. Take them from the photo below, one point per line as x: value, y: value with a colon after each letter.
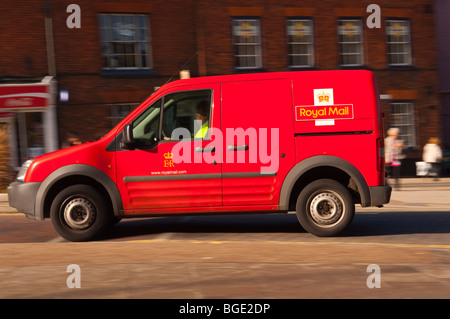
x: 264, y: 76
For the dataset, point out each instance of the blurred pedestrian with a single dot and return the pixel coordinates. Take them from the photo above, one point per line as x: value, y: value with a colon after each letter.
x: 72, y: 139
x: 432, y: 154
x: 393, y: 154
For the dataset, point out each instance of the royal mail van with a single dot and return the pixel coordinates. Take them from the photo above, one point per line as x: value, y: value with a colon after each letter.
x: 309, y: 142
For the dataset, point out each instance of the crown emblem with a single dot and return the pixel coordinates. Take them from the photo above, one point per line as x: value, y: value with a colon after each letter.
x: 323, y: 97
x: 168, y: 155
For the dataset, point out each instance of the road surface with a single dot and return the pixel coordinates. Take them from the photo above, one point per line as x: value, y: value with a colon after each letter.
x: 400, y: 251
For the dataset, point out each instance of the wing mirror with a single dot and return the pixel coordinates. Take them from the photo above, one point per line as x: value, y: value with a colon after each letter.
x: 128, y: 141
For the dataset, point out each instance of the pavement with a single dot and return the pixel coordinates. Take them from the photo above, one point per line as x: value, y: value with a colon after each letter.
x: 4, y: 204
x: 421, y: 193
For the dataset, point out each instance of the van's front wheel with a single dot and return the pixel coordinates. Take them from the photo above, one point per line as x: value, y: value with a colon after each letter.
x: 79, y: 213
x: 325, y: 208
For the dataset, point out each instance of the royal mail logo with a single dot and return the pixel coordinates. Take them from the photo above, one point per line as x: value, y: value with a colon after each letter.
x: 328, y: 112
x: 324, y: 111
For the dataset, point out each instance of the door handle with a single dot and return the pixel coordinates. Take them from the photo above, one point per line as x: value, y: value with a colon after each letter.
x: 205, y: 149
x: 237, y: 147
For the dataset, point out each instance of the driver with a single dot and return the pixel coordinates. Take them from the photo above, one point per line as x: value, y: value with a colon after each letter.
x: 202, y: 115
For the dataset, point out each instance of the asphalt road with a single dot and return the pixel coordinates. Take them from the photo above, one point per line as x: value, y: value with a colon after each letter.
x: 395, y: 226
x: 244, y: 256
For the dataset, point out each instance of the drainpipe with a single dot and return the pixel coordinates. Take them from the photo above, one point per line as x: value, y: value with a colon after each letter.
x: 50, y: 126
x: 49, y: 38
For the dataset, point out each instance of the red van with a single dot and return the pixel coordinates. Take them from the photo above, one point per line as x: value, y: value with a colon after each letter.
x: 310, y: 142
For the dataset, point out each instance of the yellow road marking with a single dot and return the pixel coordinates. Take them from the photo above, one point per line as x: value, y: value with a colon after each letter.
x: 218, y: 242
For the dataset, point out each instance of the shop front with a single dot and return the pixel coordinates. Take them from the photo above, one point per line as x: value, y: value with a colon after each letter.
x: 28, y: 113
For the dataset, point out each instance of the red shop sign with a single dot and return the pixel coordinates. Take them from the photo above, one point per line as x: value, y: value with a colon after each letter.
x: 24, y: 96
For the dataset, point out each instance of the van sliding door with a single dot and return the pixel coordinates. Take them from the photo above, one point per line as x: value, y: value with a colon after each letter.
x: 257, y: 124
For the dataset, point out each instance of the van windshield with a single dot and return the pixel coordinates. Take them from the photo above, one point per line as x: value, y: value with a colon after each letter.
x: 146, y: 125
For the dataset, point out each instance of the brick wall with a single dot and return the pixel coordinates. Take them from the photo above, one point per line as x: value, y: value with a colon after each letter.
x: 417, y: 83
x: 180, y: 28
x: 79, y: 61
x: 22, y: 38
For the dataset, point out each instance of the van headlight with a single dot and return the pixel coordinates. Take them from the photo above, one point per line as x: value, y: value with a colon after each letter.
x: 23, y: 171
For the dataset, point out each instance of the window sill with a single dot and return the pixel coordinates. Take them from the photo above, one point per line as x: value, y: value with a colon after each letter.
x: 353, y: 67
x: 108, y: 72
x: 302, y: 68
x: 248, y: 70
x: 401, y: 66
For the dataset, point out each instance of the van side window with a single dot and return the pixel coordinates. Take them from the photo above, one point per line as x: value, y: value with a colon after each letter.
x: 146, y: 125
x: 187, y: 114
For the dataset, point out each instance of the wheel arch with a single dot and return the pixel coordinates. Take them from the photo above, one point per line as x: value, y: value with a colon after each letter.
x: 76, y: 174
x: 322, y: 166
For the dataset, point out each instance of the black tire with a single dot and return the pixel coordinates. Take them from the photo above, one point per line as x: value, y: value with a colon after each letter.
x: 79, y: 213
x: 325, y: 208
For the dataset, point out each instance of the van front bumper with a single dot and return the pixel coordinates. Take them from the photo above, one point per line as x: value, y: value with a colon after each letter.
x: 22, y: 196
x: 380, y: 195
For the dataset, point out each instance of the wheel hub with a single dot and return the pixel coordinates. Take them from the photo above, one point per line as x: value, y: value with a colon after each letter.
x: 79, y: 213
x: 326, y: 208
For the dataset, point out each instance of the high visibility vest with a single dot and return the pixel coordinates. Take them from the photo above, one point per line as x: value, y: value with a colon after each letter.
x: 201, y: 133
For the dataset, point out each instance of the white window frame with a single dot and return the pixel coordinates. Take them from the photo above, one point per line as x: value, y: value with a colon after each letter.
x: 402, y: 117
x: 398, y: 32
x: 246, y: 34
x: 128, y: 31
x: 300, y: 34
x: 351, y: 41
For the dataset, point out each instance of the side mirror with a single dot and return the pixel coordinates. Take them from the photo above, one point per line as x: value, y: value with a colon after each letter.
x: 128, y: 141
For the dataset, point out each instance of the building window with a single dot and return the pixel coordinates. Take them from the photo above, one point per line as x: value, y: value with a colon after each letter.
x: 30, y: 134
x: 350, y: 37
x: 300, y: 42
x: 247, y: 43
x: 402, y: 117
x: 125, y: 41
x: 399, y: 42
x: 120, y: 111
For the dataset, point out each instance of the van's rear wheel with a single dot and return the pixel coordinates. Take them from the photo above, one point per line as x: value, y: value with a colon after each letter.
x: 79, y: 213
x: 325, y: 208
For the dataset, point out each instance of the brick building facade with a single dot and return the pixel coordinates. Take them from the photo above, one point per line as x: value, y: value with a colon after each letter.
x: 123, y: 50
x: 442, y: 8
